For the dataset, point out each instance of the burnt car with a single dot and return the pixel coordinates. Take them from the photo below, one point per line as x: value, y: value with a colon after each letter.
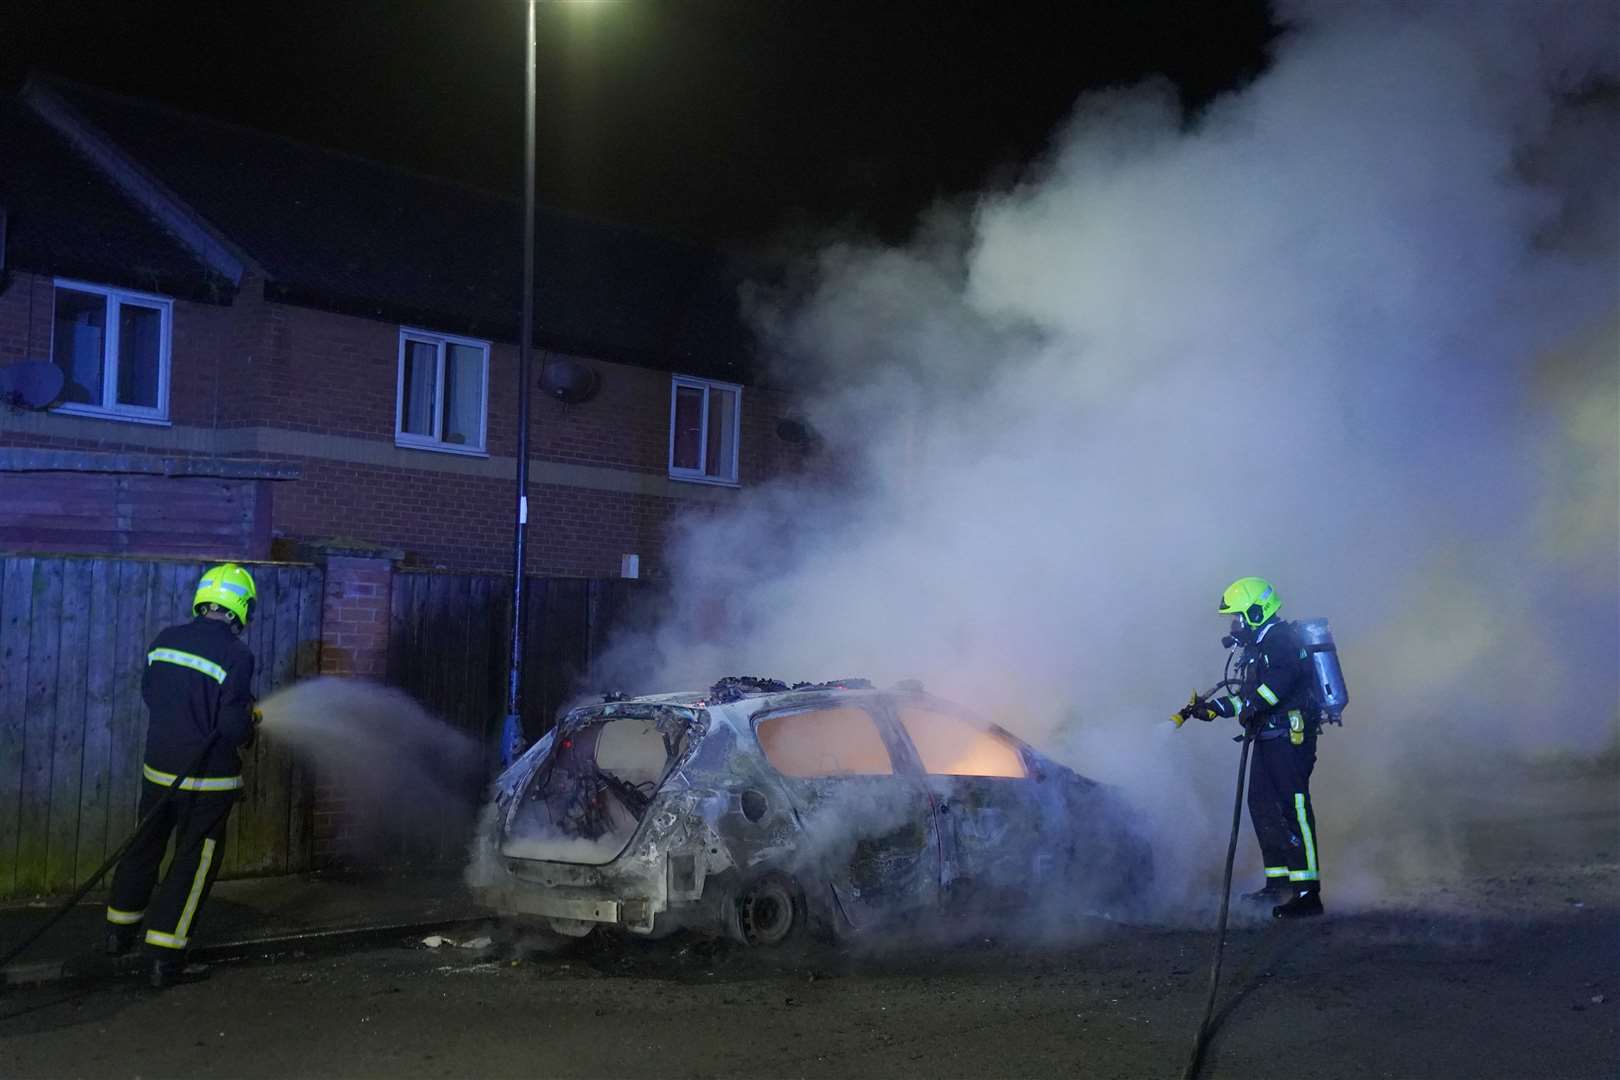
x: 763, y: 811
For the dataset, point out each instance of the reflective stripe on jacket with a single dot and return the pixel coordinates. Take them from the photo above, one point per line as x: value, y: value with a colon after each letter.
x: 197, y: 681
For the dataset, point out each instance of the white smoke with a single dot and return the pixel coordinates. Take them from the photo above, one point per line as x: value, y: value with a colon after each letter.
x: 402, y: 785
x: 1353, y: 329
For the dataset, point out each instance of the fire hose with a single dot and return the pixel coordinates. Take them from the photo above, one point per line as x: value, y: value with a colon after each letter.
x: 1201, y: 1039
x: 112, y: 860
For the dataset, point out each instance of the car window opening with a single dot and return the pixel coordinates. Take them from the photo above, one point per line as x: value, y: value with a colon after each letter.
x: 824, y: 742
x: 950, y: 745
x: 585, y: 802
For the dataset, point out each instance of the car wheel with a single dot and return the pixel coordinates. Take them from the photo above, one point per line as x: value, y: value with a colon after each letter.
x: 771, y: 911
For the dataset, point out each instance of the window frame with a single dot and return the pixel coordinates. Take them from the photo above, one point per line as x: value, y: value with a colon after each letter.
x: 113, y: 297
x: 699, y: 475
x: 410, y: 441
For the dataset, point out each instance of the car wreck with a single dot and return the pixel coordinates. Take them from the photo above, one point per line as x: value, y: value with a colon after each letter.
x: 765, y: 812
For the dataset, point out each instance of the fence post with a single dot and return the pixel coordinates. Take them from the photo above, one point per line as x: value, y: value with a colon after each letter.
x: 354, y: 615
x: 354, y: 643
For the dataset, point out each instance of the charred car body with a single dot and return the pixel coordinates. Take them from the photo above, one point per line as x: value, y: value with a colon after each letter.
x: 759, y: 811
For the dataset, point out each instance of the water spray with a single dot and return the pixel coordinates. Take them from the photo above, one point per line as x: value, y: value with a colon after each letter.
x: 404, y: 773
x: 401, y: 768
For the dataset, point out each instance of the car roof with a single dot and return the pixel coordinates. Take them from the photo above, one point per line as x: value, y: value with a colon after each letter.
x: 739, y: 708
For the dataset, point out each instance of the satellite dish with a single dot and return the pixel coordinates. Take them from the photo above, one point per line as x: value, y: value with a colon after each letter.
x: 795, y: 431
x: 30, y: 384
x: 570, y: 381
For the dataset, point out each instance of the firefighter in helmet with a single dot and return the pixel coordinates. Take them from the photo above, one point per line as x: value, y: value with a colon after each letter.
x: 197, y: 687
x: 1272, y: 698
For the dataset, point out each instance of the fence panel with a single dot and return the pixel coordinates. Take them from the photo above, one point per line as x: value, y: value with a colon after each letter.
x: 16, y: 607
x: 44, y: 639
x: 68, y: 732
x: 449, y: 643
x: 73, y: 640
x: 262, y: 821
x: 100, y: 666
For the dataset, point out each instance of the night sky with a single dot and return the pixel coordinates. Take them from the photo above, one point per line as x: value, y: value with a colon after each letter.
x: 724, y: 121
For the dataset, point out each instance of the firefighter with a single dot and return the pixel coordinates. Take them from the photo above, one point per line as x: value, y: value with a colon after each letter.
x: 1273, y: 700
x: 197, y: 688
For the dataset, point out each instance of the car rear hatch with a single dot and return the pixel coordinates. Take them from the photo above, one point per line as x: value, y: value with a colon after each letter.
x: 587, y: 794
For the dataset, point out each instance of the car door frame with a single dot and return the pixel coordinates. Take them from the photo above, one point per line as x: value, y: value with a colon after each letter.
x: 866, y: 887
x: 990, y: 828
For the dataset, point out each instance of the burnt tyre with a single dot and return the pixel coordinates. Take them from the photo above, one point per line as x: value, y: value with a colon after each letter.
x: 771, y: 912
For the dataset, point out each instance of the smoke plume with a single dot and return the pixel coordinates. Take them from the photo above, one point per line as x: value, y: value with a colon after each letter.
x: 404, y: 785
x: 1353, y: 328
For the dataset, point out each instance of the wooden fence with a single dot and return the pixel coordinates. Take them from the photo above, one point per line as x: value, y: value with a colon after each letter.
x: 73, y: 638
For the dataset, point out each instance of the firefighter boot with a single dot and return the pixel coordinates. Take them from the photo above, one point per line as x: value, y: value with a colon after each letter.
x: 1271, y: 893
x: 168, y: 970
x: 1304, y: 902
x: 120, y: 939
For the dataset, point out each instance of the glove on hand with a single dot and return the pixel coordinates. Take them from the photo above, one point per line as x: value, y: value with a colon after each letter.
x: 1196, y: 706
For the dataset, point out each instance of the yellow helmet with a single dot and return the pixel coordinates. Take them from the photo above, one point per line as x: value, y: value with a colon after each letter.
x: 229, y: 586
x: 1253, y: 598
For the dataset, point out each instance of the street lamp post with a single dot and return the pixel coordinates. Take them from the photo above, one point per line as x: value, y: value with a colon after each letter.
x: 512, y: 729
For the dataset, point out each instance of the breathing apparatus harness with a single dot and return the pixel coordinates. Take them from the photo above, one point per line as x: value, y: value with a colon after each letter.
x: 1327, y: 694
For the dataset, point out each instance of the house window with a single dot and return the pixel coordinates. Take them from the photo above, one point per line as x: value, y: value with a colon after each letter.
x: 443, y: 393
x: 113, y: 348
x: 704, y: 419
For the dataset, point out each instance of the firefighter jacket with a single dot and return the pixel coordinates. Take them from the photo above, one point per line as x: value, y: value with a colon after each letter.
x: 197, y: 682
x: 1275, y: 676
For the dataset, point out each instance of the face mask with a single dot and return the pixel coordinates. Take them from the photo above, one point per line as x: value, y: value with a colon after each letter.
x: 1240, y: 634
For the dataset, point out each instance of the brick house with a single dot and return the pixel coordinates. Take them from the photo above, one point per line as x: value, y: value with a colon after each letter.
x: 265, y: 344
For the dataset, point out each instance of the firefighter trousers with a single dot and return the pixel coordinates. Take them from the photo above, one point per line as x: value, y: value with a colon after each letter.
x: 196, y: 819
x: 1280, y: 809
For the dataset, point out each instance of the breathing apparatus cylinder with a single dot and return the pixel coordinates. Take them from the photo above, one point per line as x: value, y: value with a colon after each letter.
x: 1329, y: 690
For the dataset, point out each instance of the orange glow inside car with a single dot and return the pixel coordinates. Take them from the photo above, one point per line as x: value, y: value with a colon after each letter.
x: 824, y: 742
x: 949, y: 745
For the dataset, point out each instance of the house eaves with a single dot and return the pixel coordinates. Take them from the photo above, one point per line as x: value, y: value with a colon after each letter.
x: 183, y: 222
x: 333, y: 231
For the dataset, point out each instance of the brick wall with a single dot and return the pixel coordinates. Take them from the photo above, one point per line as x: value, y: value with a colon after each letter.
x: 337, y: 374
x: 263, y: 365
x: 253, y: 336
x: 354, y: 616
x: 467, y: 525
x: 354, y: 642
x: 25, y: 319
x: 199, y: 384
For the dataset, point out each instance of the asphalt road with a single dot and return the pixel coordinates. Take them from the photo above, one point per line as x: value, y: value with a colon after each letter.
x: 1509, y: 973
